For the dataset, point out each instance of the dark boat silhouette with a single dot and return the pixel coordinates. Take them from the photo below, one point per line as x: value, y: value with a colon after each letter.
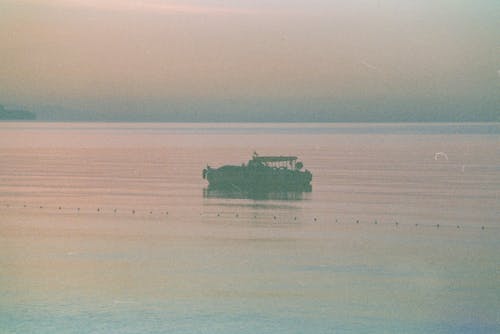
x: 261, y: 173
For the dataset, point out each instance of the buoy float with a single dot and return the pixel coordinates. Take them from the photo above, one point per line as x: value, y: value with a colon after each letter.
x: 315, y: 219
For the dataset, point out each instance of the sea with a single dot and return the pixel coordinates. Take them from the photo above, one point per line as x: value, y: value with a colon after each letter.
x: 110, y: 228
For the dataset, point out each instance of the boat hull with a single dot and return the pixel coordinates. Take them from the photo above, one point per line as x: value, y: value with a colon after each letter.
x: 244, y: 177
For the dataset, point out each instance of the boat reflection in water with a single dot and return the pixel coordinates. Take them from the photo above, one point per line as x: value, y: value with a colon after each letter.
x: 295, y: 194
x: 267, y: 177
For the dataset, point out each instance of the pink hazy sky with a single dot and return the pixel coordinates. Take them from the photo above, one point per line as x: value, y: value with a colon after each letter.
x: 62, y: 51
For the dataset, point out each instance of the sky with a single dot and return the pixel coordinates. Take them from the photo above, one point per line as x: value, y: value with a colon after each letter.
x: 252, y: 60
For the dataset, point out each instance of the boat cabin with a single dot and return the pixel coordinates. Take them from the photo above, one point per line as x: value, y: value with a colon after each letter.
x: 282, y: 162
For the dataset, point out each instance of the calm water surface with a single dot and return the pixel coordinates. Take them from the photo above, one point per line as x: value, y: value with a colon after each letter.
x: 107, y: 228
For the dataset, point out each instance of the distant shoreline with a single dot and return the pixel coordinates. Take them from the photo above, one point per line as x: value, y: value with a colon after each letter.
x: 243, y: 122
x: 16, y: 115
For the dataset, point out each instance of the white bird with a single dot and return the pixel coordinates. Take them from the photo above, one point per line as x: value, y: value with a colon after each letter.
x: 438, y: 155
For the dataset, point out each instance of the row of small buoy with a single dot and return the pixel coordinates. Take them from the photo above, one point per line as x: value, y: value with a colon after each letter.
x: 220, y: 214
x: 78, y: 209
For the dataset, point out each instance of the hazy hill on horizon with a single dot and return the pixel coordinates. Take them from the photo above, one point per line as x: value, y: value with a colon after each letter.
x: 273, y: 111
x: 7, y: 114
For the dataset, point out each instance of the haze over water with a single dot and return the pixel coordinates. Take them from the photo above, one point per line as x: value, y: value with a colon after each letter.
x: 174, y: 258
x: 212, y: 60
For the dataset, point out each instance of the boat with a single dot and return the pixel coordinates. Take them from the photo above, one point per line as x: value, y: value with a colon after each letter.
x: 274, y: 173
